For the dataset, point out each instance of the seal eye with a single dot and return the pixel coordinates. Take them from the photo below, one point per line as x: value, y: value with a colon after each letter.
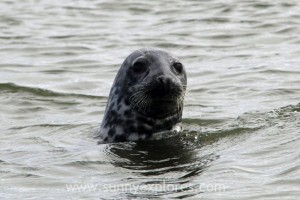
x: 139, y: 67
x: 178, y: 67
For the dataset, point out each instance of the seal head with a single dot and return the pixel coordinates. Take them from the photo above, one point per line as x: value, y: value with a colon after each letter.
x: 146, y: 97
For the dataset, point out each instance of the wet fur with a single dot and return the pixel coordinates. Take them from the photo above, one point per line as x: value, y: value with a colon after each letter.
x: 140, y: 105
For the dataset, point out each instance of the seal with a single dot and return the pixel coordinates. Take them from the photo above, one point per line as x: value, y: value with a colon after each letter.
x: 146, y: 97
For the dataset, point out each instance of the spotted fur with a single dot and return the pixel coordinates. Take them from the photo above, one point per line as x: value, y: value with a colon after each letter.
x: 146, y: 97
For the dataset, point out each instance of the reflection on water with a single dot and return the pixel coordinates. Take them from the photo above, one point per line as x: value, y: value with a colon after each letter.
x: 168, y: 163
x: 156, y: 156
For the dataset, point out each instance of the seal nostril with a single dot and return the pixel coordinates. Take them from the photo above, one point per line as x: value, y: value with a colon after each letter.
x: 160, y: 80
x: 163, y: 83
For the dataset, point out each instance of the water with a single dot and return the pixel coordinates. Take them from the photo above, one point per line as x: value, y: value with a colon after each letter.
x: 241, y: 118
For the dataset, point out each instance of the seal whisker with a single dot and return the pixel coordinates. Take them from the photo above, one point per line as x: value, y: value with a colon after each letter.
x: 179, y: 102
x: 138, y: 98
x: 140, y: 102
x: 139, y: 91
x: 144, y: 103
x: 147, y: 103
x: 185, y: 96
x: 135, y: 101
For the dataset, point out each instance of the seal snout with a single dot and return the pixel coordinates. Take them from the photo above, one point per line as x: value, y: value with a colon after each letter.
x: 164, y: 81
x: 164, y: 86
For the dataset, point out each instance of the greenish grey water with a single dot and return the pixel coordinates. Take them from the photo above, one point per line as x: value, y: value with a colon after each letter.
x: 241, y: 120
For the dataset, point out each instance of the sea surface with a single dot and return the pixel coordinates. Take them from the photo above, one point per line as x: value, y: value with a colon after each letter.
x: 241, y: 119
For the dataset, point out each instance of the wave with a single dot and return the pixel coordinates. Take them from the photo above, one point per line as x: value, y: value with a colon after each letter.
x: 212, y: 129
x: 14, y: 88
